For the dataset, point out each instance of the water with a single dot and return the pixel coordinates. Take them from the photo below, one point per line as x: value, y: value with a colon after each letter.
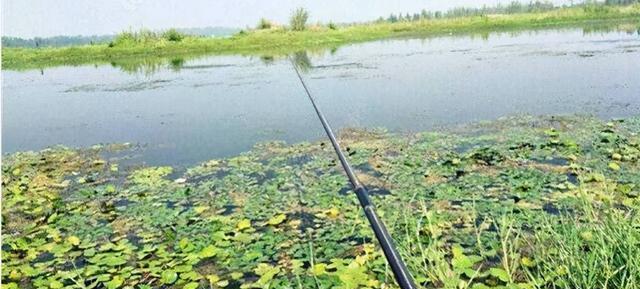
x: 187, y: 111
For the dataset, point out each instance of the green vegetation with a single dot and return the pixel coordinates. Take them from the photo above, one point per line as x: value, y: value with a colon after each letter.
x: 280, y: 41
x: 595, y: 250
x: 62, y: 41
x: 512, y: 8
x: 56, y: 41
x: 173, y: 35
x: 524, y: 202
x: 264, y: 24
x: 299, y: 19
x: 145, y: 37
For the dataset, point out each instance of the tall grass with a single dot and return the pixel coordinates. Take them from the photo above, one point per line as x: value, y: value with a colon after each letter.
x: 146, y: 37
x: 595, y: 246
x: 600, y: 249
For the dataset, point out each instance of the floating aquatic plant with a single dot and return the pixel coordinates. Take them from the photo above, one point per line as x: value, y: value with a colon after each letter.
x: 512, y: 203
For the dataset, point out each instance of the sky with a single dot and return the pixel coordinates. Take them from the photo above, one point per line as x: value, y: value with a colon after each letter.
x: 44, y: 18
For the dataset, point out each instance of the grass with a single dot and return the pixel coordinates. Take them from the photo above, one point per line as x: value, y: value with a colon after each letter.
x: 280, y: 41
x: 598, y: 249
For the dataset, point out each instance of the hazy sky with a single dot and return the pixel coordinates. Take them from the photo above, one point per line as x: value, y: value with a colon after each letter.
x: 29, y: 18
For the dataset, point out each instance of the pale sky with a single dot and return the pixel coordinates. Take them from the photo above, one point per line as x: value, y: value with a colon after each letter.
x: 29, y: 18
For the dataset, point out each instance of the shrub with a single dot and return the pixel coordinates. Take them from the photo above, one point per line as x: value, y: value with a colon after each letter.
x: 264, y: 24
x: 124, y: 38
x: 132, y: 38
x: 596, y: 8
x: 332, y: 26
x: 145, y: 35
x: 299, y: 19
x: 173, y: 35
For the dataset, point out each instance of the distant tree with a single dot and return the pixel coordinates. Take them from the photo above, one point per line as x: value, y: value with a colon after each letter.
x: 299, y: 19
x: 539, y: 6
x: 514, y: 7
x: 55, y: 41
x: 620, y: 2
x: 173, y: 35
x: 424, y: 14
x: 589, y: 6
x: 264, y: 24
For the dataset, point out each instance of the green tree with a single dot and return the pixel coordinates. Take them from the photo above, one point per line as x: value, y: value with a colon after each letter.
x: 173, y: 35
x: 264, y: 24
x: 424, y: 14
x: 299, y: 19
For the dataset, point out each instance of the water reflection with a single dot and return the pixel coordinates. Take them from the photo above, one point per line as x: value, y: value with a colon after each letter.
x: 629, y: 28
x: 267, y: 59
x: 301, y: 61
x: 192, y: 108
x: 144, y: 65
x: 151, y: 65
x: 176, y: 63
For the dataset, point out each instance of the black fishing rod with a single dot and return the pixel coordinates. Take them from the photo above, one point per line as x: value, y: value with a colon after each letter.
x: 400, y: 272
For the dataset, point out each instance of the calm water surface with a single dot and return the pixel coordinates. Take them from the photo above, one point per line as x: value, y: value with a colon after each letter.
x: 185, y: 112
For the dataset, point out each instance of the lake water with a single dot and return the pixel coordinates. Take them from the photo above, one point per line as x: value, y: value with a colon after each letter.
x: 187, y: 111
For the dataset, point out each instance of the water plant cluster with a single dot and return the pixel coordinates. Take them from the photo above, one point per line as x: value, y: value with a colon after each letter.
x: 525, y: 202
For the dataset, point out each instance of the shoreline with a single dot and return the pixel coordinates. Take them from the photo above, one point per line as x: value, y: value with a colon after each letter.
x: 281, y: 42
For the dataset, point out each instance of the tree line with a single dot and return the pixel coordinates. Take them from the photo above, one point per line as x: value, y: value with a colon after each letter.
x: 511, y: 8
x: 60, y: 41
x: 56, y: 41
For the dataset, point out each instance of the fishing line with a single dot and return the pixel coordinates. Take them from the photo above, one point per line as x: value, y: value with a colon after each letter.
x: 399, y: 269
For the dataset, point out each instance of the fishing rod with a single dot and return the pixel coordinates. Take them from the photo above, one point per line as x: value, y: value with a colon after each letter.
x: 399, y: 269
